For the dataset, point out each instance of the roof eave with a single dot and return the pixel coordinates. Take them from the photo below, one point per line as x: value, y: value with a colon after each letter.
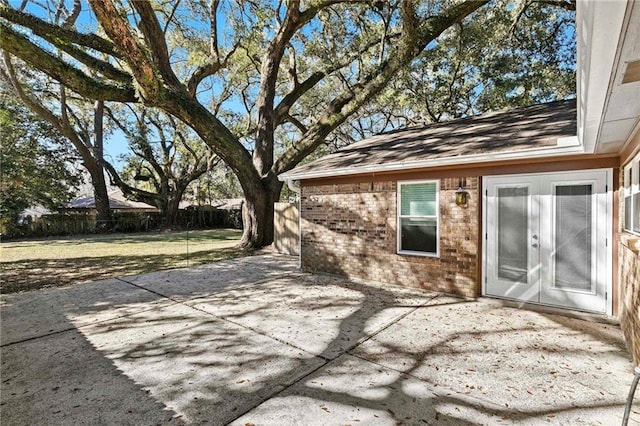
x: 565, y: 146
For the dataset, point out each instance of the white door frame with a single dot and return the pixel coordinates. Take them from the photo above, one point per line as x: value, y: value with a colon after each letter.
x: 607, y: 274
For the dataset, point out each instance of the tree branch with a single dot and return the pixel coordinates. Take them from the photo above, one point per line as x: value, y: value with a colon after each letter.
x: 65, y: 38
x: 56, y: 68
x: 291, y: 119
x: 73, y: 16
x: 45, y: 29
x: 282, y: 109
x: 155, y: 41
x: 119, y: 31
x: 565, y: 4
x: 416, y: 36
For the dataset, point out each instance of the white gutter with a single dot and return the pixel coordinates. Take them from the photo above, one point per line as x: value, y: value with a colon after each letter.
x: 565, y: 146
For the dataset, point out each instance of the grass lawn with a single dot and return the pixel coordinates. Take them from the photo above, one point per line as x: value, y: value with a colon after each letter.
x: 33, y: 264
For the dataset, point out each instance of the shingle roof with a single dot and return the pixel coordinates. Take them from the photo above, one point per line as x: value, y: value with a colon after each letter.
x: 538, y: 126
x: 117, y: 201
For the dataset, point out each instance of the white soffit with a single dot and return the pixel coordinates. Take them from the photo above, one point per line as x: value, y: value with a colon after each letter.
x: 599, y: 26
x: 621, y: 108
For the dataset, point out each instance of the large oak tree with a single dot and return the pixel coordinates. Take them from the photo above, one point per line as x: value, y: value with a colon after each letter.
x: 165, y: 159
x: 262, y: 83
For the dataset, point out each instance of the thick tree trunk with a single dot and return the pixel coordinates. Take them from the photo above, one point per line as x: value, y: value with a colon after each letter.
x: 172, y: 208
x: 103, y: 212
x: 103, y: 216
x: 257, y: 213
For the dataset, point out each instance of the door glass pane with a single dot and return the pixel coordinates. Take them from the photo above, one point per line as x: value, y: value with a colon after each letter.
x: 513, y: 223
x: 573, y: 237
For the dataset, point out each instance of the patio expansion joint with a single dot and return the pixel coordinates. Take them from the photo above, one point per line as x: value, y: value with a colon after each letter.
x: 42, y: 336
x: 164, y: 296
x: 327, y: 360
x: 225, y: 318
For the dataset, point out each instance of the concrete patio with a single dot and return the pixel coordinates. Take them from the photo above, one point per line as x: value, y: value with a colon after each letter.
x: 255, y: 341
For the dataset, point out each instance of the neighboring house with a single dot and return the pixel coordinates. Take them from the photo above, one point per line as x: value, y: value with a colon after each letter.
x: 538, y: 205
x: 117, y: 202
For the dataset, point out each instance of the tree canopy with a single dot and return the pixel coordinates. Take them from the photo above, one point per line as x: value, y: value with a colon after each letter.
x: 264, y: 84
x: 36, y: 163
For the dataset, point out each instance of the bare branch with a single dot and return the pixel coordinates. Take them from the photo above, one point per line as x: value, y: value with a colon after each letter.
x: 292, y: 71
x: 75, y: 12
x: 291, y: 119
x: 170, y: 17
x: 42, y: 111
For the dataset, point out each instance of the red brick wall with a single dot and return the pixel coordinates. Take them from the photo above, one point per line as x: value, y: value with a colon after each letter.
x: 350, y: 229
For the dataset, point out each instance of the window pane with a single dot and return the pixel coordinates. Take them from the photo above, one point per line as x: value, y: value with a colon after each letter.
x: 627, y: 213
x: 636, y: 212
x: 419, y: 235
x: 418, y: 199
x: 573, y: 237
x: 513, y: 225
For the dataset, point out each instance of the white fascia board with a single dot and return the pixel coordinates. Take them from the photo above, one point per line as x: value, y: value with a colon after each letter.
x: 599, y: 28
x: 569, y: 146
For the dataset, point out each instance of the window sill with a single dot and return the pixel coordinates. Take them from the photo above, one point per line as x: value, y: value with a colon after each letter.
x: 417, y: 253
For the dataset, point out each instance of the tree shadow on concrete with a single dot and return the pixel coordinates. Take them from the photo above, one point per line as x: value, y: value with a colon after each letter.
x: 213, y: 358
x: 32, y: 274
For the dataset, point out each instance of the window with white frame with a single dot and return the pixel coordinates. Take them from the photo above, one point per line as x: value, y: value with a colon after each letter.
x: 418, y: 232
x: 631, y: 183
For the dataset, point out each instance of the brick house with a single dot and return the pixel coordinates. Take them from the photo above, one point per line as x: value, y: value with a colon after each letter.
x: 540, y: 205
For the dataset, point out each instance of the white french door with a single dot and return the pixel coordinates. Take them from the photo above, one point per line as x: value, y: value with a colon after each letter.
x: 546, y: 238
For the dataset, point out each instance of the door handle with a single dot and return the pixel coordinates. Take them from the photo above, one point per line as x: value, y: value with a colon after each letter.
x: 534, y: 245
